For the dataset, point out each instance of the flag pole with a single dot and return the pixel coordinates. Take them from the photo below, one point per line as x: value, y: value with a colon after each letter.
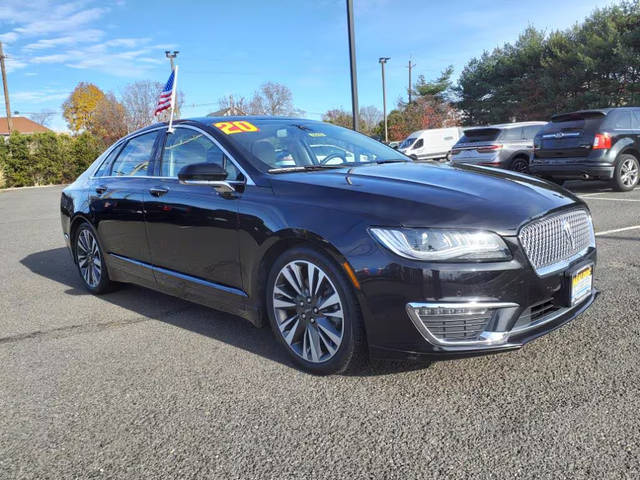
x: 173, y: 98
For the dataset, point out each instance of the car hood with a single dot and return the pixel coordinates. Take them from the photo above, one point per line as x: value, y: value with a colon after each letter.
x: 428, y: 195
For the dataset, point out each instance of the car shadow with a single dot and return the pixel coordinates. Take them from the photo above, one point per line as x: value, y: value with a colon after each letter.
x: 56, y: 265
x: 593, y: 186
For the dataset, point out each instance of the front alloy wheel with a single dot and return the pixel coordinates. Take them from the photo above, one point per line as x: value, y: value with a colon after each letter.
x: 308, y: 311
x: 314, y: 313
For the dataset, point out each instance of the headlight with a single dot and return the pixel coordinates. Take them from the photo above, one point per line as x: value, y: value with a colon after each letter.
x: 443, y: 245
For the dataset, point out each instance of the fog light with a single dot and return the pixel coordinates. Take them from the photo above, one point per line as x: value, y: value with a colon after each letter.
x: 459, y: 324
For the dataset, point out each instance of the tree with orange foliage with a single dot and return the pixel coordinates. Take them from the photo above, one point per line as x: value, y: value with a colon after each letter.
x: 79, y: 109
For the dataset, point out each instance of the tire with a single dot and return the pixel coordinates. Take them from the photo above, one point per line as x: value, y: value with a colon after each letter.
x: 626, y: 173
x: 89, y: 259
x: 520, y: 165
x: 320, y: 344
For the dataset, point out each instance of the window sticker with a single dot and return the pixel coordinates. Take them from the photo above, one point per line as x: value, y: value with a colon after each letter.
x: 317, y: 134
x: 240, y: 126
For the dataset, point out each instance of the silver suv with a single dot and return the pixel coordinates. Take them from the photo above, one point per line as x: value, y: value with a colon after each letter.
x: 508, y: 146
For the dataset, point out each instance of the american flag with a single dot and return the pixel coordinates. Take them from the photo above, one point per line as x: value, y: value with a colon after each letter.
x: 165, y: 99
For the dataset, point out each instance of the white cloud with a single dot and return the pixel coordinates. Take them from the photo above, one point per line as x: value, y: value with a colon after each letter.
x: 12, y: 64
x: 51, y: 18
x: 82, y: 36
x: 9, y: 37
x: 39, y: 96
x: 65, y: 34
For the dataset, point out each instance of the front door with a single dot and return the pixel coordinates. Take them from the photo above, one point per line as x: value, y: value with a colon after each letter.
x: 192, y: 229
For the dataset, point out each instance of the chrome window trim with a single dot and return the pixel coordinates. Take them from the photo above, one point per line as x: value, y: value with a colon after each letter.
x: 249, y: 180
x: 120, y: 142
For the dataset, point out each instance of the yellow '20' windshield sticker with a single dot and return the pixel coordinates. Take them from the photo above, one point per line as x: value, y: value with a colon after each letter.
x: 240, y: 126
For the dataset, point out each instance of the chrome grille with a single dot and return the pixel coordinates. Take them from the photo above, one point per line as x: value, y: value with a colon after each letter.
x: 553, y: 241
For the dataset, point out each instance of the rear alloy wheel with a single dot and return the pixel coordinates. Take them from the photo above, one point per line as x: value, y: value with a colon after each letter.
x: 626, y: 174
x: 520, y: 165
x: 90, y: 261
x: 313, y: 312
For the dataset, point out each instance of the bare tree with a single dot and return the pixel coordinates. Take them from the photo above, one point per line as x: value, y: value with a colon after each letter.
x: 273, y: 99
x: 43, y: 117
x: 109, y: 119
x: 370, y: 117
x: 140, y: 99
x: 231, y: 105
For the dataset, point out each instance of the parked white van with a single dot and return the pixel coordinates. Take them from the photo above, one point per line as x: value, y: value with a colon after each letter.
x: 430, y: 144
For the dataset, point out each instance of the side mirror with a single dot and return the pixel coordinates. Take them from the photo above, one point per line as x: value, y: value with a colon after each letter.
x: 205, y: 174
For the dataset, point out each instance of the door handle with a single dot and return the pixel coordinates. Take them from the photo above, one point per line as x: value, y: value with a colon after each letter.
x: 100, y: 189
x: 158, y: 191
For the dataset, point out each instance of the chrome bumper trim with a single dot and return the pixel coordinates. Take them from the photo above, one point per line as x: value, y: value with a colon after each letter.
x: 486, y: 338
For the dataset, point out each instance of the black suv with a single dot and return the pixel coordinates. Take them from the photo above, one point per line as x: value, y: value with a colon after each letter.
x: 602, y: 144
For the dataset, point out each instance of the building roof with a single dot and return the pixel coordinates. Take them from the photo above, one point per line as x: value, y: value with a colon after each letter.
x: 22, y: 125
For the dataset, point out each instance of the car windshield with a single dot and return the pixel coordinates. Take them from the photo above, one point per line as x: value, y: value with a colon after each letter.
x: 280, y: 145
x: 407, y: 142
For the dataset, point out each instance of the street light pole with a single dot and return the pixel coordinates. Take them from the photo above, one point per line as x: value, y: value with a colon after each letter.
x: 171, y: 55
x: 352, y: 63
x: 6, y: 91
x: 383, y: 61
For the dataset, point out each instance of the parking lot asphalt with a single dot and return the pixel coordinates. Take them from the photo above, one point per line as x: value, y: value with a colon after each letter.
x: 136, y: 384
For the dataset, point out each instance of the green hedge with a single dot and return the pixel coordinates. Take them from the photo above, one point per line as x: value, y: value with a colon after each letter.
x: 45, y: 158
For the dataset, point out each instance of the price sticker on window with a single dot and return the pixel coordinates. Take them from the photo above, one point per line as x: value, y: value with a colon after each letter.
x: 240, y: 126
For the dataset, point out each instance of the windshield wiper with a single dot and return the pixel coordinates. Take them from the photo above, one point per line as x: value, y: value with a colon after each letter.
x: 303, y: 168
x: 398, y: 160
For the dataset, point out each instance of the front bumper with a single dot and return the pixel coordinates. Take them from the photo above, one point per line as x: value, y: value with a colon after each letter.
x: 389, y: 284
x: 571, y: 169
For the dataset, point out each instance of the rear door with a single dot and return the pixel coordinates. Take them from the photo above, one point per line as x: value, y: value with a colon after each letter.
x: 117, y: 202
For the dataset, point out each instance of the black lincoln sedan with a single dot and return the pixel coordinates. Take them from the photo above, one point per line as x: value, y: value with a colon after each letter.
x: 344, y: 245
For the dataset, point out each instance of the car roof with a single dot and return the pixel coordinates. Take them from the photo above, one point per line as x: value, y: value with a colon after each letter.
x: 603, y: 111
x: 208, y: 121
x: 516, y: 124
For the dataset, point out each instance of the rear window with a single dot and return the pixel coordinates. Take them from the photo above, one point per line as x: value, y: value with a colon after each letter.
x: 480, y: 135
x: 636, y: 120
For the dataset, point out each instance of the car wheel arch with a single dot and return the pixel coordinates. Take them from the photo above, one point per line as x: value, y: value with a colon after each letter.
x: 75, y: 223
x: 286, y: 240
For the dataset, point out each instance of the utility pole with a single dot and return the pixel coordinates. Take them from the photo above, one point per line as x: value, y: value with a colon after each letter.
x: 6, y: 91
x: 352, y: 63
x: 410, y: 88
x: 383, y: 61
x: 171, y: 55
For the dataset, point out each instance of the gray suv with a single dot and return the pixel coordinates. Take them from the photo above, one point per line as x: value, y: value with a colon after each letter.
x: 508, y: 146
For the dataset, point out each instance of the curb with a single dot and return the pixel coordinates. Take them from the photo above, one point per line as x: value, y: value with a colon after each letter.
x: 11, y: 189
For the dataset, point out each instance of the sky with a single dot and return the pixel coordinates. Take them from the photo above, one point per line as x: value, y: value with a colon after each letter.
x: 232, y: 47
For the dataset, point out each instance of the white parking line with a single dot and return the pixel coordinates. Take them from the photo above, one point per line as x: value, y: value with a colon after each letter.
x: 615, y: 199
x: 616, y: 230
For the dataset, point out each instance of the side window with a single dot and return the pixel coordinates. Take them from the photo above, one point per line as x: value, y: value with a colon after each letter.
x: 419, y: 143
x: 186, y: 147
x: 532, y: 131
x: 105, y: 167
x: 622, y: 120
x: 134, y: 158
x: 636, y: 120
x: 511, y: 134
